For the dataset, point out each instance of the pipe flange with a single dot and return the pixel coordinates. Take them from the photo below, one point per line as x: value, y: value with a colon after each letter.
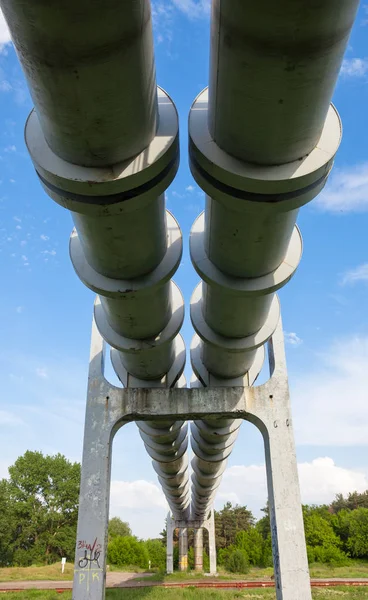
x: 255, y: 286
x: 163, y: 458
x: 215, y: 458
x: 212, y: 447
x: 179, y: 472
x: 245, y: 344
x: 166, y: 434
x: 146, y: 284
x: 207, y: 478
x: 131, y: 346
x: 216, y: 170
x: 89, y: 189
x: 169, y: 380
x: 207, y: 379
x: 165, y: 448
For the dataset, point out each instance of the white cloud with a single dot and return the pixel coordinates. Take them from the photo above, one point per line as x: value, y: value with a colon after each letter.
x: 4, y: 84
x: 330, y: 403
x: 360, y: 273
x: 354, y: 67
x: 194, y: 9
x: 190, y: 188
x: 140, y: 494
x: 141, y: 503
x: 320, y: 481
x: 4, y: 32
x: 162, y: 17
x: 44, y: 237
x: 346, y: 191
x: 41, y: 372
x: 11, y: 148
x: 292, y: 339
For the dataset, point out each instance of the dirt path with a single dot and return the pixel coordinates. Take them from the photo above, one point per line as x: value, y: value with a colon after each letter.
x: 128, y: 580
x: 112, y: 580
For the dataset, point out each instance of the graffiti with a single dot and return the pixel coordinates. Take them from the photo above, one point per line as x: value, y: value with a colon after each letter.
x: 82, y: 577
x: 92, y: 554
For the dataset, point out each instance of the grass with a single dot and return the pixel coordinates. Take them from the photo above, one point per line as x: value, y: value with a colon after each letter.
x: 339, y: 593
x: 355, y: 569
x: 36, y: 573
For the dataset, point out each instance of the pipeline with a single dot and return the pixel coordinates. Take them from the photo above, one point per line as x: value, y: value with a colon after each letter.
x: 262, y: 140
x: 104, y: 141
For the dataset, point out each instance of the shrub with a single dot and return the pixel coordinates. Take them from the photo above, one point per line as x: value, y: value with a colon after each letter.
x: 128, y: 551
x: 237, y: 561
x: 156, y: 554
x: 327, y: 554
x: 252, y: 543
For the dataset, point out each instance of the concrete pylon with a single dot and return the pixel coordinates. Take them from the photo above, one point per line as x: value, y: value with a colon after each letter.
x: 170, y: 528
x: 198, y: 550
x: 183, y: 549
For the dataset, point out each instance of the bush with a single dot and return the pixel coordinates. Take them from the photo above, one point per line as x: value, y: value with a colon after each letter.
x: 128, y: 551
x: 156, y: 554
x: 252, y: 543
x: 237, y: 561
x: 327, y: 554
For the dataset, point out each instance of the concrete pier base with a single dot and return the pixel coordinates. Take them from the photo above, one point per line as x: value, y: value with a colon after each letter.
x: 266, y: 406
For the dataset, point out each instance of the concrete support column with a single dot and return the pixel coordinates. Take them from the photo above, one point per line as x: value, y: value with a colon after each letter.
x: 94, y: 498
x: 169, y: 544
x: 266, y: 406
x: 183, y: 549
x: 198, y: 550
x: 212, y: 543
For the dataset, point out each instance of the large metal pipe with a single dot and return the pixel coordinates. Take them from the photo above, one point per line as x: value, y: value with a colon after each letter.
x: 213, y: 438
x: 91, y: 73
x: 106, y: 149
x: 273, y: 69
x: 246, y: 247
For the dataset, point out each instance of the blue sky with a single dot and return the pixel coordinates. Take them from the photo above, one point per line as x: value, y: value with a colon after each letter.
x: 46, y: 311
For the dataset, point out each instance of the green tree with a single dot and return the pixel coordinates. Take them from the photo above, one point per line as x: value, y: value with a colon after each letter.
x: 117, y: 527
x: 357, y: 543
x: 237, y: 561
x: 42, y: 498
x: 156, y: 554
x: 319, y: 532
x: 229, y: 521
x: 7, y: 525
x: 353, y: 501
x: 323, y: 544
x: 128, y: 551
x: 252, y: 543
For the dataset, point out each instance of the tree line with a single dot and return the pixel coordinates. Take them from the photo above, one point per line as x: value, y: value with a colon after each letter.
x: 39, y: 511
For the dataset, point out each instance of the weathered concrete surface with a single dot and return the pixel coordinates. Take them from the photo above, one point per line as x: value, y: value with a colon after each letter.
x: 198, y: 550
